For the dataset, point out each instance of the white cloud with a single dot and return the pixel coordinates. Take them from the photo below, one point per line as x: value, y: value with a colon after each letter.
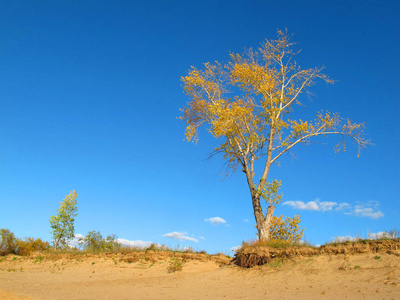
x: 180, y: 236
x: 245, y: 220
x: 201, y: 237
x: 367, y: 212
x: 136, y: 244
x: 312, y: 205
x: 215, y: 221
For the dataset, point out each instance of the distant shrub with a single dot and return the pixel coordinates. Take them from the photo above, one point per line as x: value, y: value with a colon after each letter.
x: 31, y: 245
x: 95, y: 242
x: 111, y: 243
x: 189, y: 250
x: 12, y: 245
x: 8, y: 242
x: 153, y: 247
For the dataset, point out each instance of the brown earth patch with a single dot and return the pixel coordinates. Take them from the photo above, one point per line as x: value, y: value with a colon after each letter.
x: 248, y: 257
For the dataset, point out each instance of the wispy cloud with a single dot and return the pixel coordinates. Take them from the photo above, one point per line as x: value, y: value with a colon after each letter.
x: 215, y: 220
x: 361, y: 211
x: 312, y: 205
x: 343, y: 206
x: 370, y: 209
x: 180, y: 236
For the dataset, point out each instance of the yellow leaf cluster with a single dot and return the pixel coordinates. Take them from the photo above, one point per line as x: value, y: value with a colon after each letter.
x: 253, y: 78
x: 270, y: 192
x: 286, y: 229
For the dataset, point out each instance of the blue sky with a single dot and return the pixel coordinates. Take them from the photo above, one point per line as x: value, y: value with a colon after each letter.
x: 90, y: 96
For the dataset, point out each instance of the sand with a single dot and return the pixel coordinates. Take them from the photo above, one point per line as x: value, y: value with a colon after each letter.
x: 117, y: 276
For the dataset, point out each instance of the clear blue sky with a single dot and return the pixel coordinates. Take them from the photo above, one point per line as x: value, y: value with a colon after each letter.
x: 90, y: 93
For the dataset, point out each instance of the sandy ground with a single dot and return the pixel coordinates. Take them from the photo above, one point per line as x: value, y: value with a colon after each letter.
x: 363, y: 276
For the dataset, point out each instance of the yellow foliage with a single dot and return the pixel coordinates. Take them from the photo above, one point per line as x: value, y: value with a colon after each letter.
x: 286, y: 229
x: 31, y: 245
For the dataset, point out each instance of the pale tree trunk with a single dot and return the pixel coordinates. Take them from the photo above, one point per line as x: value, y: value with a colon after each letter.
x: 263, y: 222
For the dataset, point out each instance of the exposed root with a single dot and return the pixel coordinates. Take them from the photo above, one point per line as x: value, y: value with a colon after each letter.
x: 248, y: 257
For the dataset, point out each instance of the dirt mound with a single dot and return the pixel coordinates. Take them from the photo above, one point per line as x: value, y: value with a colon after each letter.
x: 365, y: 246
x: 129, y: 257
x: 156, y: 256
x: 259, y: 255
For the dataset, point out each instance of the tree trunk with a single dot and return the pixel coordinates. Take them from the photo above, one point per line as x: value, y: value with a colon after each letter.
x: 263, y: 222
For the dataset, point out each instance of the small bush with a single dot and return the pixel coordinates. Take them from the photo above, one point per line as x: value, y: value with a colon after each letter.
x: 12, y: 245
x: 175, y: 265
x: 153, y: 247
x: 8, y: 242
x: 94, y: 242
x: 31, y: 245
x: 286, y: 229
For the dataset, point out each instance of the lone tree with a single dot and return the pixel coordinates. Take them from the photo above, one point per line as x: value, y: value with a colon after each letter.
x: 62, y: 224
x: 248, y: 104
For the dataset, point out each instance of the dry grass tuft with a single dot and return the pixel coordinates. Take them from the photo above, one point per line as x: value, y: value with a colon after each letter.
x: 175, y: 265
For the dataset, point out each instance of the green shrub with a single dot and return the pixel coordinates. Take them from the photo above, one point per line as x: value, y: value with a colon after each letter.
x: 95, y: 242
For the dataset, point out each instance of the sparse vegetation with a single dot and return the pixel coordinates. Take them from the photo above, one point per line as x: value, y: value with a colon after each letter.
x: 283, y: 244
x: 175, y: 265
x: 38, y: 259
x: 383, y: 235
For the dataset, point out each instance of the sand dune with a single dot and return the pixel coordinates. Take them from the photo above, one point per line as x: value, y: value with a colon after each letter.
x: 118, y: 276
